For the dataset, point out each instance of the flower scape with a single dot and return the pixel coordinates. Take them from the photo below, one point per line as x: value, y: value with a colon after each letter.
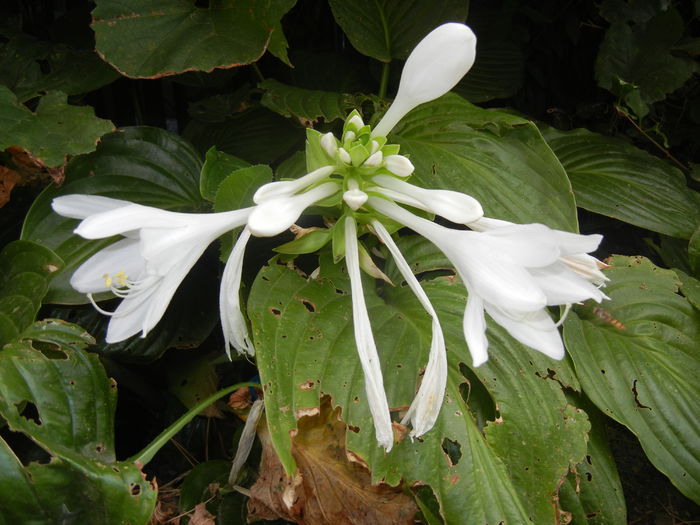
x: 512, y: 272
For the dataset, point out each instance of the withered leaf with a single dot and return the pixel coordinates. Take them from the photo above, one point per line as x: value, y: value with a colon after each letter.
x: 327, y: 488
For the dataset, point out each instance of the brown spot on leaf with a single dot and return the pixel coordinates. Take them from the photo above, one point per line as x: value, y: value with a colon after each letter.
x: 309, y: 384
x: 275, y: 311
x: 329, y: 487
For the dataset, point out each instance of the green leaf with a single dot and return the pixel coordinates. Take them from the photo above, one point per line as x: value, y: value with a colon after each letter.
x: 236, y: 192
x: 636, y: 357
x: 65, y: 403
x: 497, y: 72
x: 54, y: 131
x: 307, y: 105
x: 145, y: 165
x: 498, y: 158
x: 217, y: 166
x: 386, y: 30
x: 616, y: 179
x: 643, y: 54
x: 593, y: 492
x: 305, y: 346
x: 694, y: 251
x: 167, y: 37
x: 256, y: 135
x: 26, y: 268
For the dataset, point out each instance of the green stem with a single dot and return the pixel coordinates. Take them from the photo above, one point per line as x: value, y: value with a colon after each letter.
x: 154, y: 446
x: 259, y: 74
x: 384, y: 82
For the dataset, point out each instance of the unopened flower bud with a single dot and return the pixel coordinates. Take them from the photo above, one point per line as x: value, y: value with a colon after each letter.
x: 398, y: 165
x: 329, y: 145
x: 374, y: 160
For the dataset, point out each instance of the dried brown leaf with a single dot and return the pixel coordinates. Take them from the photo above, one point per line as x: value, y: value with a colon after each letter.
x: 328, y: 488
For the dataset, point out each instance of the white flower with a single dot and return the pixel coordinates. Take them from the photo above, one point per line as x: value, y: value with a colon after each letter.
x: 144, y: 268
x: 434, y: 67
x: 512, y: 272
x: 364, y: 341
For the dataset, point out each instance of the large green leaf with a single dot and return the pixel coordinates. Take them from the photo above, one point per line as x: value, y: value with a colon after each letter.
x: 385, y: 29
x: 500, y: 159
x: 616, y: 179
x: 304, y: 339
x: 65, y: 403
x: 307, y: 105
x: 29, y: 66
x: 257, y: 135
x: 54, y: 131
x: 145, y: 165
x: 636, y: 357
x: 167, y: 37
x: 645, y: 54
x: 26, y: 269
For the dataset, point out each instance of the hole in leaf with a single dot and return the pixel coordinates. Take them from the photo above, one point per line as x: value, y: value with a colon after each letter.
x: 589, y: 476
x: 453, y: 450
x: 29, y: 411
x: 588, y: 460
x: 275, y: 311
x: 51, y: 353
x: 135, y: 489
x: 100, y: 448
x: 116, y: 469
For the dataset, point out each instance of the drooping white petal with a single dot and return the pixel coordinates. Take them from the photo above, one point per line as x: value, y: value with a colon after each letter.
x: 275, y: 215
x: 232, y: 321
x: 534, y: 329
x: 434, y: 67
x: 562, y: 285
x: 289, y: 187
x: 364, y: 341
x: 496, y: 279
x: 82, y: 206
x: 474, y: 326
x: 122, y: 256
x: 426, y: 406
x: 453, y: 205
x: 127, y: 319
x: 167, y: 286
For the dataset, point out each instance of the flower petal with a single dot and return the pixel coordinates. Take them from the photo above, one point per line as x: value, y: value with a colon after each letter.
x: 276, y: 189
x: 534, y: 329
x: 232, y: 321
x: 454, y: 206
x: 275, y: 215
x: 425, y: 408
x: 369, y: 359
x: 562, y: 285
x: 122, y: 256
x: 82, y: 206
x: 474, y: 326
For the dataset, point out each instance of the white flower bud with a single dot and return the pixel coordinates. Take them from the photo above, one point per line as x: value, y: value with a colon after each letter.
x: 398, y: 165
x: 329, y: 144
x: 434, y: 67
x: 349, y: 136
x: 355, y: 198
x: 374, y: 147
x: 355, y: 122
x: 344, y: 156
x: 374, y: 160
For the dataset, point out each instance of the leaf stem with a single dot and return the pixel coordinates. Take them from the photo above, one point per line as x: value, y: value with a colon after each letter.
x: 258, y: 73
x: 666, y: 152
x: 154, y: 446
x: 384, y: 82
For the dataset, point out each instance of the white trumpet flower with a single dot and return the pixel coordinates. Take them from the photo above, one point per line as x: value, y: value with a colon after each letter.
x: 512, y: 272
x: 146, y: 267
